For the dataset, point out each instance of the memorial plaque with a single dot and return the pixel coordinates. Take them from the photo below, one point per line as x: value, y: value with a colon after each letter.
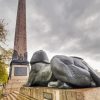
x: 47, y: 96
x: 20, y: 71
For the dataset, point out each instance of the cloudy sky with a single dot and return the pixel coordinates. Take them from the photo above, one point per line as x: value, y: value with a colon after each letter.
x: 69, y: 27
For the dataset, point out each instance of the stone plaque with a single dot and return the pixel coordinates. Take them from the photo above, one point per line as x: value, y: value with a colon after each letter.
x: 47, y: 96
x: 20, y: 71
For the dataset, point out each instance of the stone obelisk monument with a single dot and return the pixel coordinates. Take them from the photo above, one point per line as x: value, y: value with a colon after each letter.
x: 19, y: 67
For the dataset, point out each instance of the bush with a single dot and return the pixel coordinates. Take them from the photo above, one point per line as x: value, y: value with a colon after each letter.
x: 3, y: 73
x: 0, y: 94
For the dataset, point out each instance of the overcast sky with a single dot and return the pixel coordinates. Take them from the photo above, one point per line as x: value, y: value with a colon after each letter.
x: 69, y: 27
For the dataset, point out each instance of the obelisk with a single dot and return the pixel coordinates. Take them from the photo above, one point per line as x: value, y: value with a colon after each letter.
x: 19, y: 67
x: 20, y: 44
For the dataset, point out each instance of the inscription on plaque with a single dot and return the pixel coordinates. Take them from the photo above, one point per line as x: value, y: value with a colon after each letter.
x: 47, y: 96
x: 20, y: 71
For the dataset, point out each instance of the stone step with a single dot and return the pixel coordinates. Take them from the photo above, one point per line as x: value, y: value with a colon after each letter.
x: 21, y: 96
x: 5, y: 98
x: 15, y: 95
x: 16, y: 92
x: 11, y: 97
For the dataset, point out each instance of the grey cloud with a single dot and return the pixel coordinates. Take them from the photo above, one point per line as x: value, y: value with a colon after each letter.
x: 63, y: 16
x: 63, y: 26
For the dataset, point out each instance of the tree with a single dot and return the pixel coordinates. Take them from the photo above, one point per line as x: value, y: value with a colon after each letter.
x: 4, y: 63
x: 9, y: 53
x: 3, y: 70
x: 3, y: 31
x: 3, y: 73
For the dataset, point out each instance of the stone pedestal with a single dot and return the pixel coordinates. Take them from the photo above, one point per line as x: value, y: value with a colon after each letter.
x: 19, y: 76
x: 44, y: 93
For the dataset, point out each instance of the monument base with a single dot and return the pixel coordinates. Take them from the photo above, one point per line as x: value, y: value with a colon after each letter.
x: 45, y: 93
x: 19, y: 76
x: 19, y: 71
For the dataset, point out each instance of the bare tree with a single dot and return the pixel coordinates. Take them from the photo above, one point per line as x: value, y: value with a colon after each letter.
x: 3, y: 31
